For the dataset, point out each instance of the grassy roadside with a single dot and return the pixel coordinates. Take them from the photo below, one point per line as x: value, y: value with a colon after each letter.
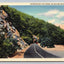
x: 20, y: 54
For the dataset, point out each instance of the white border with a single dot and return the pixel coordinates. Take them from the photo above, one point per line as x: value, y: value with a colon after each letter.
x: 32, y: 59
x: 33, y: 3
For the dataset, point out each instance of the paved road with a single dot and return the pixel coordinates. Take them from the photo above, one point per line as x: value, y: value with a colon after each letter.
x: 34, y: 51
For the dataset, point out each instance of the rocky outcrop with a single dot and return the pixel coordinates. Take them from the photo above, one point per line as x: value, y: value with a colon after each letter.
x: 7, y: 29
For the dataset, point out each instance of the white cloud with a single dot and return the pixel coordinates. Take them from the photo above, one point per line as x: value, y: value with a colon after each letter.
x: 60, y: 15
x: 62, y: 21
x: 56, y: 24
x: 49, y: 13
x: 51, y: 21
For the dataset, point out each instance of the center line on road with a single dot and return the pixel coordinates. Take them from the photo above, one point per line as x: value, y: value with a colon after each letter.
x: 37, y: 52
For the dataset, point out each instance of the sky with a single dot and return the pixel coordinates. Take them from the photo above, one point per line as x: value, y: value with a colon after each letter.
x: 53, y: 14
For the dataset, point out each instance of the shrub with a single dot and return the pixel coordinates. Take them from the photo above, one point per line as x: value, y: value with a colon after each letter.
x: 8, y: 47
x: 46, y: 41
x: 27, y: 39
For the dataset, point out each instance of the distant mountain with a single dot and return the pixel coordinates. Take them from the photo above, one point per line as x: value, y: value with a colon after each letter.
x: 60, y: 25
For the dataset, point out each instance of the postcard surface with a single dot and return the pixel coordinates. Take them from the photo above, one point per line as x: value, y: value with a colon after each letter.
x: 32, y: 32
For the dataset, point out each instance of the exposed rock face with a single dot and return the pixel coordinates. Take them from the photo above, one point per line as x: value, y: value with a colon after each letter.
x: 7, y: 29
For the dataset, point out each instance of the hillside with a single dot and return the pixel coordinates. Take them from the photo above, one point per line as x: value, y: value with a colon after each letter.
x: 28, y: 25
x: 10, y: 40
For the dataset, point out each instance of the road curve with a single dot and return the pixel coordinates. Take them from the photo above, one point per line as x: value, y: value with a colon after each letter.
x: 34, y: 51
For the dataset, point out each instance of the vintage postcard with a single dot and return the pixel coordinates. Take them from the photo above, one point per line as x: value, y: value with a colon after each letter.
x: 32, y: 31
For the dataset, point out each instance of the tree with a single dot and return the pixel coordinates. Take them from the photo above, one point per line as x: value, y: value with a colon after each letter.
x: 28, y: 25
x: 46, y: 42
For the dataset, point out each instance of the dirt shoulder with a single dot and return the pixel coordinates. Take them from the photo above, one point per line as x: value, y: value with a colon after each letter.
x: 20, y: 53
x: 57, y: 48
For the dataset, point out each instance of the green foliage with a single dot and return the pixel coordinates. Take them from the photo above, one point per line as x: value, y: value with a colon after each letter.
x: 46, y: 42
x: 28, y: 25
x: 7, y: 47
x: 27, y: 39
